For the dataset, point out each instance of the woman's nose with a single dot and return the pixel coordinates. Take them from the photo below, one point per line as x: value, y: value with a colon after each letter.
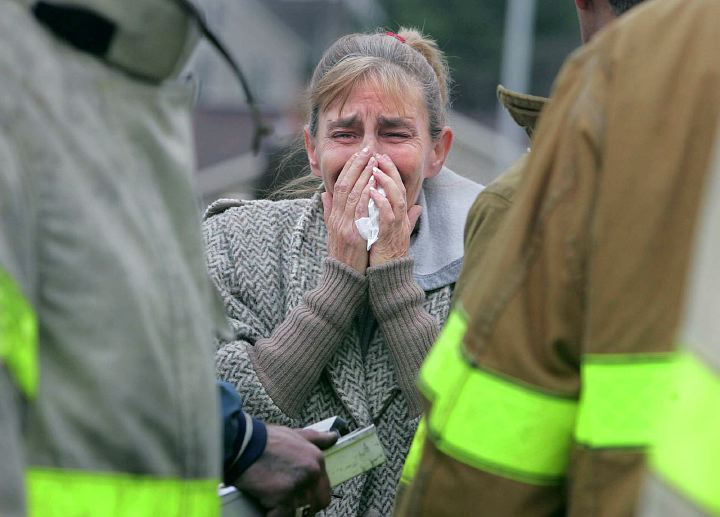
x: 371, y: 143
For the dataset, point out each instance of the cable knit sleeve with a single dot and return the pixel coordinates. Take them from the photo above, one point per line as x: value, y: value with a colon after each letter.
x: 397, y: 302
x: 273, y: 362
x: 290, y: 361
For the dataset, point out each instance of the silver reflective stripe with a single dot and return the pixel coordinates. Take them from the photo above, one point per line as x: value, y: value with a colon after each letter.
x: 700, y: 330
x: 662, y: 500
x: 685, y: 458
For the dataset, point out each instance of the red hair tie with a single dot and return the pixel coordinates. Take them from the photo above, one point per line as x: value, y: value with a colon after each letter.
x: 396, y: 36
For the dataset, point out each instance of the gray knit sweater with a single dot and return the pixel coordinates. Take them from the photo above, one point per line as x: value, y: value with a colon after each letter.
x: 312, y: 338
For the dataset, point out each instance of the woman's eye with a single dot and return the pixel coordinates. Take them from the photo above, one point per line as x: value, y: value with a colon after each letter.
x: 342, y: 136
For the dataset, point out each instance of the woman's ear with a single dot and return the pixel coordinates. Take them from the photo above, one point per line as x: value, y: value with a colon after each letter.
x: 310, y: 149
x: 440, y: 150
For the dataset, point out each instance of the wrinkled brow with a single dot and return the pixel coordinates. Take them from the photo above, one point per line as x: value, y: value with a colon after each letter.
x: 394, y: 122
x: 351, y: 121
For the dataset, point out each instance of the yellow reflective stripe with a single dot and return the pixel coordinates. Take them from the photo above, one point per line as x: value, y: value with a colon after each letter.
x: 412, y: 462
x: 440, y: 371
x: 621, y: 397
x: 505, y: 428
x: 491, y: 422
x: 18, y: 335
x: 687, y: 450
x: 62, y: 493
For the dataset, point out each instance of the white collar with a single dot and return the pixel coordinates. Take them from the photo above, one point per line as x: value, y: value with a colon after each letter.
x: 437, y: 246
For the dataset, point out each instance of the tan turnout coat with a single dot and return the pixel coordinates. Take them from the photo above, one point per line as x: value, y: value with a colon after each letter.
x: 590, y: 259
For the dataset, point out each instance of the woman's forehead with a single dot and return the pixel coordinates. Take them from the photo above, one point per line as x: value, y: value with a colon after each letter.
x: 384, y: 101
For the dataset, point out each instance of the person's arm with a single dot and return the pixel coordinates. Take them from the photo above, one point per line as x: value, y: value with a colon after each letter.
x: 283, y: 469
x: 274, y: 369
x: 395, y: 298
x: 397, y: 302
x: 290, y: 361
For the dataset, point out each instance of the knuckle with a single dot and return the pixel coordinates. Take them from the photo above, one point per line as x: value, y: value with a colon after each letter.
x: 342, y: 187
x: 353, y: 198
x: 313, y: 471
x: 346, y: 233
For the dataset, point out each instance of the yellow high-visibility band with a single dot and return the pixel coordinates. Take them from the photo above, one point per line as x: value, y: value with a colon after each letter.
x: 440, y: 371
x: 438, y: 374
x: 18, y: 335
x: 620, y: 399
x: 686, y: 453
x: 412, y: 462
x: 59, y: 493
x: 492, y: 422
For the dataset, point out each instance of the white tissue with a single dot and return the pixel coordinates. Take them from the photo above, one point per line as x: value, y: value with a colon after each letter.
x: 369, y: 227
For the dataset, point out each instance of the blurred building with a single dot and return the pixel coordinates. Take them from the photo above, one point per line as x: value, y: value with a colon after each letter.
x: 273, y: 58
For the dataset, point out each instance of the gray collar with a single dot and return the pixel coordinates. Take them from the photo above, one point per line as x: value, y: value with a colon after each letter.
x: 437, y: 246
x: 153, y: 38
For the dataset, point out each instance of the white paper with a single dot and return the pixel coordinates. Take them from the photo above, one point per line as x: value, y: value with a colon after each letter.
x: 369, y: 227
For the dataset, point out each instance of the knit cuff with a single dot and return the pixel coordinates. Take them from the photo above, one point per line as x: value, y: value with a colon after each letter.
x: 244, y: 437
x: 339, y: 283
x: 393, y: 289
x: 290, y: 362
x: 250, y: 449
x: 397, y: 302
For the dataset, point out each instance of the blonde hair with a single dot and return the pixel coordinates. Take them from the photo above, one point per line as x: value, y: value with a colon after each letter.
x: 388, y: 62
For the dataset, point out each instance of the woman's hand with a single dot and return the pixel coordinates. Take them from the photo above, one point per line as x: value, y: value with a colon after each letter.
x: 342, y: 207
x: 396, y: 221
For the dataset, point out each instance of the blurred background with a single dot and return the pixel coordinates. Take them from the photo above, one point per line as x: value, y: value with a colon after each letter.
x: 519, y: 43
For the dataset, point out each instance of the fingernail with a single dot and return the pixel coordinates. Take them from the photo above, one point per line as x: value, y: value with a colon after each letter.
x: 376, y: 170
x: 372, y: 161
x: 365, y: 150
x: 372, y: 181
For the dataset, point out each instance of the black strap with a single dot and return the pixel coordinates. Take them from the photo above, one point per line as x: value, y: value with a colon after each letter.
x: 261, y: 130
x: 80, y: 27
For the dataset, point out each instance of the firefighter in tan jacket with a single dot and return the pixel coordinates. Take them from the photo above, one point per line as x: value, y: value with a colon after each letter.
x: 548, y: 379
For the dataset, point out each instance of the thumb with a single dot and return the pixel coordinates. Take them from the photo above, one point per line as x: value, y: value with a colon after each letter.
x: 320, y: 440
x: 413, y: 215
x: 327, y: 206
